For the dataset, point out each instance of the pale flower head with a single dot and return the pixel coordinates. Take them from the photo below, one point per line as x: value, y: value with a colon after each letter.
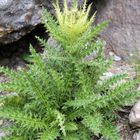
x: 73, y: 21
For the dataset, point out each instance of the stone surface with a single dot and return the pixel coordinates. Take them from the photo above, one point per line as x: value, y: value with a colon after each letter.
x: 136, y: 136
x: 19, y: 17
x: 2, y: 134
x: 117, y: 58
x: 134, y: 116
x: 4, y: 62
x: 52, y: 42
x: 123, y: 32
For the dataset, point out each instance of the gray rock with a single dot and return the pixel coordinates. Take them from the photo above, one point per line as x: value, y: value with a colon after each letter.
x: 4, y: 62
x: 108, y: 74
x: 2, y: 134
x: 4, y: 4
x: 117, y: 58
x: 134, y: 116
x: 123, y: 32
x: 20, y: 65
x: 136, y: 136
x: 19, y: 17
x: 53, y: 43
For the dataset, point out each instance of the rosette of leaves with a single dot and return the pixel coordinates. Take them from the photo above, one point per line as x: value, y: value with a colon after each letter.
x: 60, y: 95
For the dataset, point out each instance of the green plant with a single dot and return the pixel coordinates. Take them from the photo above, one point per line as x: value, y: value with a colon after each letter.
x: 60, y: 95
x: 73, y: 22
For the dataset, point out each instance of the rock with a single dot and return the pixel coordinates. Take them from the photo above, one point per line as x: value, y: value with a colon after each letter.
x: 138, y: 87
x: 4, y: 4
x: 136, y: 136
x: 123, y: 32
x: 134, y: 116
x: 91, y: 56
x: 2, y: 134
x: 108, y: 74
x: 123, y: 128
x: 1, y: 122
x: 20, y: 65
x: 117, y: 58
x: 19, y: 17
x: 2, y: 79
x: 4, y: 62
x: 111, y: 54
x: 51, y: 42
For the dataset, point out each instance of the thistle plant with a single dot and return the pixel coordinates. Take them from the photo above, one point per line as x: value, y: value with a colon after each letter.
x: 73, y: 22
x: 60, y: 95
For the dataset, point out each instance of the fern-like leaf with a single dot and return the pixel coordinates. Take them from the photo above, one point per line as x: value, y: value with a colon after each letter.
x: 93, y: 122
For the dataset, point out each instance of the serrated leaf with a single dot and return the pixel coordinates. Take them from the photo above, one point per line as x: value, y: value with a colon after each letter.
x: 79, y: 103
x: 72, y: 137
x: 71, y: 126
x: 109, y: 131
x: 93, y: 122
x: 50, y: 134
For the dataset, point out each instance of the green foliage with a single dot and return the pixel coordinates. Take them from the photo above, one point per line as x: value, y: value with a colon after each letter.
x: 74, y: 22
x: 60, y: 96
